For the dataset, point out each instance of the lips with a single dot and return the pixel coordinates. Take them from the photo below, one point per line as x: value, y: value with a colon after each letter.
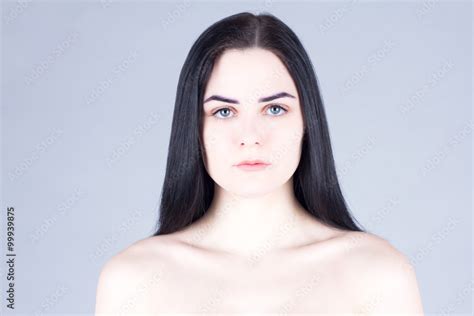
x: 252, y: 163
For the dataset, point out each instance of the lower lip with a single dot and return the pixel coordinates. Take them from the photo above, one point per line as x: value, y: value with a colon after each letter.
x: 253, y: 167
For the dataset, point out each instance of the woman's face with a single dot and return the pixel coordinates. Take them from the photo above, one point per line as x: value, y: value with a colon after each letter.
x: 251, y: 111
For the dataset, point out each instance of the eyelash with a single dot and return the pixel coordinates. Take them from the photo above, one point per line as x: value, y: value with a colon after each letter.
x: 270, y: 106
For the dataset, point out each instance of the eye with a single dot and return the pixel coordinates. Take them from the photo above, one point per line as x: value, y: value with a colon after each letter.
x: 278, y: 109
x: 221, y: 111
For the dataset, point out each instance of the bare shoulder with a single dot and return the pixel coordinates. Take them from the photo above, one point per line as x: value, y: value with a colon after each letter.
x: 376, y: 253
x: 137, y: 257
x: 131, y: 276
x: 383, y: 277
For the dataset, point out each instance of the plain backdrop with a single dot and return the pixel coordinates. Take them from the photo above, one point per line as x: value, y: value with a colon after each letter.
x: 87, y: 97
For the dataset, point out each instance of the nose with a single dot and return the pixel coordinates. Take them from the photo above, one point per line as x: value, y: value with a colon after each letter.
x: 247, y: 143
x: 249, y: 138
x: 250, y: 133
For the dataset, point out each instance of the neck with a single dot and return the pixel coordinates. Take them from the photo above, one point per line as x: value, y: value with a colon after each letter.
x: 248, y: 226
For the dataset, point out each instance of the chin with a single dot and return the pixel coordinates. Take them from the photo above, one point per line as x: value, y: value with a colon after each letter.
x: 251, y: 189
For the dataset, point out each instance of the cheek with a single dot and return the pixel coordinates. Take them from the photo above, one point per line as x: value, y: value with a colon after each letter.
x: 286, y: 147
x: 217, y: 146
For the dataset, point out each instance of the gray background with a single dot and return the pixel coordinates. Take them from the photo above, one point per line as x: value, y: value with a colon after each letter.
x: 87, y: 98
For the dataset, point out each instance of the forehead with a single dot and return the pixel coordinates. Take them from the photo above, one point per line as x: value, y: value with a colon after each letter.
x: 248, y: 75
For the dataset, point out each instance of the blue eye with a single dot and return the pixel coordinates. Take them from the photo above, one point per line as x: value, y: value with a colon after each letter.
x: 220, y: 111
x: 274, y: 106
x: 278, y: 107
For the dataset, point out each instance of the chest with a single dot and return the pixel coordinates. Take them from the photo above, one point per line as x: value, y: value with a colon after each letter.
x: 296, y: 287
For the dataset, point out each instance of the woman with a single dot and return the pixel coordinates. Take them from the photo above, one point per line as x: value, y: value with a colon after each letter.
x: 252, y: 218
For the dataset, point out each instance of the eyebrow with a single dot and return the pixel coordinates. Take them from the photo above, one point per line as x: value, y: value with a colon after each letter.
x: 263, y: 99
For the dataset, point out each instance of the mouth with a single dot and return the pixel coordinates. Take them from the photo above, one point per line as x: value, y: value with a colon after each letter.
x: 252, y: 165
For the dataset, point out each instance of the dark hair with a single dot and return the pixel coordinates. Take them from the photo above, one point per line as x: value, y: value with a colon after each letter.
x: 188, y: 189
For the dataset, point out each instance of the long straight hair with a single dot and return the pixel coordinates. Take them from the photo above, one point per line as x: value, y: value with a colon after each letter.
x: 188, y: 190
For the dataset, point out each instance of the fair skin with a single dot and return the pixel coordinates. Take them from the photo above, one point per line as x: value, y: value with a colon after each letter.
x: 257, y: 249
